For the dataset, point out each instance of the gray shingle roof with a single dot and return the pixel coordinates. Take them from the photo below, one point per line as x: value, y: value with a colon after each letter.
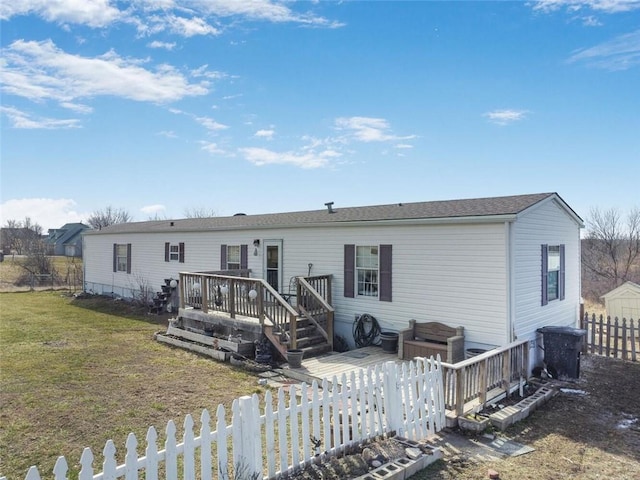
x: 447, y: 209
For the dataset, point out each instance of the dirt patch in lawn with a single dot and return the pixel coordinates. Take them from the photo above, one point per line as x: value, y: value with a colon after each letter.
x: 590, y: 430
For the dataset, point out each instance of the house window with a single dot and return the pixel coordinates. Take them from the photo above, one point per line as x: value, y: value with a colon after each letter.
x: 122, y: 257
x: 233, y: 257
x: 174, y: 252
x: 553, y: 273
x: 367, y: 270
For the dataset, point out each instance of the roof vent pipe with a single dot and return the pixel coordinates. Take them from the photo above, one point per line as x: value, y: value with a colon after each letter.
x: 330, y: 207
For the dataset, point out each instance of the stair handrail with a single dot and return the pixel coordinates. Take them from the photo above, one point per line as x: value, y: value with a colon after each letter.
x: 327, y: 309
x: 275, y: 319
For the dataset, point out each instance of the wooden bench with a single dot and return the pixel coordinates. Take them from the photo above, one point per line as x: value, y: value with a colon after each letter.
x: 424, y: 339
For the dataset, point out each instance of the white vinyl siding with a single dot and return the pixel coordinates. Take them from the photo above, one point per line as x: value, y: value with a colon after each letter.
x: 547, y: 224
x: 483, y: 276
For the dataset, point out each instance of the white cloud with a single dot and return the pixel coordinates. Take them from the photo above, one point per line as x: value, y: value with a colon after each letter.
x: 93, y: 13
x: 505, y: 117
x: 367, y: 129
x: 620, y: 53
x: 277, y: 12
x: 153, y: 209
x: 46, y: 212
x: 189, y: 27
x: 210, y: 124
x: 165, y: 45
x: 203, y: 72
x: 154, y: 16
x: 212, y: 148
x: 403, y: 146
x: 305, y: 159
x: 77, y: 107
x: 167, y: 134
x: 603, y: 6
x: 591, y: 21
x: 20, y: 119
x: 42, y: 71
x: 267, y: 134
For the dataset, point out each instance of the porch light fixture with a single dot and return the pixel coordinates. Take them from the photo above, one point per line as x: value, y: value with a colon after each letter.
x: 256, y: 244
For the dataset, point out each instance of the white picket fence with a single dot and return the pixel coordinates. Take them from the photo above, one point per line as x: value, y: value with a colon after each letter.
x: 314, y: 421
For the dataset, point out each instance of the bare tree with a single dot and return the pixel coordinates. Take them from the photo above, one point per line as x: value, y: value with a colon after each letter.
x: 611, y: 248
x: 200, y: 212
x: 22, y: 237
x: 109, y: 216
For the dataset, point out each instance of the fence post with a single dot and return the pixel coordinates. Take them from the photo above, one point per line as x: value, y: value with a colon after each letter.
x: 392, y: 399
x: 246, y: 464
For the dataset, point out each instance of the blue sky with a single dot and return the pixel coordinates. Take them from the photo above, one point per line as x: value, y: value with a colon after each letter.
x: 163, y: 107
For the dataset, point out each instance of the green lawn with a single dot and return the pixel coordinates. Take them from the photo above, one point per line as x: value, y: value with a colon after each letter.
x: 77, y: 372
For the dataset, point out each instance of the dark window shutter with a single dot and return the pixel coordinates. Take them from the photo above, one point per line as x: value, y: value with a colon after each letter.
x: 561, y: 274
x: 385, y: 273
x: 128, y: 258
x: 167, y: 246
x: 223, y: 257
x: 349, y: 270
x: 244, y: 256
x: 545, y: 273
x: 115, y: 257
x: 181, y: 252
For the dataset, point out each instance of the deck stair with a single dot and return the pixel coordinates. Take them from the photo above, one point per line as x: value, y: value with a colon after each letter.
x: 309, y: 338
x: 302, y: 320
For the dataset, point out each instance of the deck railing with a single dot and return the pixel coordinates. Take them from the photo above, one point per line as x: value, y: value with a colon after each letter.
x: 313, y: 296
x: 472, y: 383
x: 254, y: 297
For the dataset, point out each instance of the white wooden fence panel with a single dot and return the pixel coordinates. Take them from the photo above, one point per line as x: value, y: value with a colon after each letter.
x: 407, y: 399
x: 151, y: 455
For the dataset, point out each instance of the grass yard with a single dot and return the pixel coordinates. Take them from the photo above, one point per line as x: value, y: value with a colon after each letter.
x: 77, y: 372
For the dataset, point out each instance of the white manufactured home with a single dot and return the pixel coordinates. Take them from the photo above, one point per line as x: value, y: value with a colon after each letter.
x: 499, y: 267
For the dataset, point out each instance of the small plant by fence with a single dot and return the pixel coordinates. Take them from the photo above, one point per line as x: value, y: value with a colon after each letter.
x: 612, y: 337
x: 313, y: 422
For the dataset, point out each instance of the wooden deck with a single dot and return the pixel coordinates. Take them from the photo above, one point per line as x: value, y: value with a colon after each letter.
x: 334, y: 363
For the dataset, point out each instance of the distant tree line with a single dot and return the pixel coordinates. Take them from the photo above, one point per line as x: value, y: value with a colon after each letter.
x: 610, y: 251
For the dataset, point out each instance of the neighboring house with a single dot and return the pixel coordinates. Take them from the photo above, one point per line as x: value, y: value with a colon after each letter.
x: 623, y: 302
x: 500, y: 267
x: 67, y: 240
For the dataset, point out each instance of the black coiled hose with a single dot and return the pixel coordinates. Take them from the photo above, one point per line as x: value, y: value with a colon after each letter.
x: 366, y: 331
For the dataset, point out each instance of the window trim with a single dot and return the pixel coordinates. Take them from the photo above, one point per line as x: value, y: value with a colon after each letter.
x: 171, y: 255
x: 117, y: 256
x: 385, y: 272
x: 561, y: 273
x: 244, y: 256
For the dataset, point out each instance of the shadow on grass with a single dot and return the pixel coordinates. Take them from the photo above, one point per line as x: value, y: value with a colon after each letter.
x: 118, y: 307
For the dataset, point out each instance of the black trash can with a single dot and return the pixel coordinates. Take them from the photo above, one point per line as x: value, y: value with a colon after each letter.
x: 562, y: 348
